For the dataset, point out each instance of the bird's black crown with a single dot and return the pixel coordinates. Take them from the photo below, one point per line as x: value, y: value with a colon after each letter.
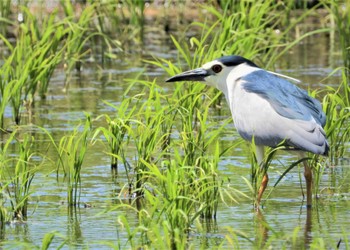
x: 235, y: 60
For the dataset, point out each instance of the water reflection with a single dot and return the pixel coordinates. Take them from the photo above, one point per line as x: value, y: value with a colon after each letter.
x: 74, y: 232
x: 211, y: 236
x: 263, y: 230
x: 308, y: 227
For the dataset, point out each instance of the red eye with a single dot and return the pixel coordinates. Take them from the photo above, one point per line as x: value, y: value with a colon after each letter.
x: 216, y: 68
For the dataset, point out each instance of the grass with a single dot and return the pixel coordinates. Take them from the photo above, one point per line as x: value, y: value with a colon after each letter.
x: 17, y: 174
x: 166, y: 142
x: 40, y: 47
x: 116, y: 133
x: 340, y: 23
x: 5, y: 12
x: 72, y: 149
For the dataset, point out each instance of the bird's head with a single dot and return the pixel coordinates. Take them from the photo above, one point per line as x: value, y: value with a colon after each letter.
x: 216, y: 72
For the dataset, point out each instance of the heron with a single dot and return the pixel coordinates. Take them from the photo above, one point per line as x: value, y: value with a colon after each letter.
x: 267, y: 109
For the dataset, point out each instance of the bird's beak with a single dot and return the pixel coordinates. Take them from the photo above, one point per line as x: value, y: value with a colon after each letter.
x: 191, y: 75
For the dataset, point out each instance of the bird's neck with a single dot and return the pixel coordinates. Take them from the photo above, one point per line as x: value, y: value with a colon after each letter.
x: 234, y: 77
x: 239, y: 72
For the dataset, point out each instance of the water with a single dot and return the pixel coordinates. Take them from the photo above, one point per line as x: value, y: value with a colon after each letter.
x: 91, y: 226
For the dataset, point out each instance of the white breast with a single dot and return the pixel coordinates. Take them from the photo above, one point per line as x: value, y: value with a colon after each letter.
x: 253, y: 116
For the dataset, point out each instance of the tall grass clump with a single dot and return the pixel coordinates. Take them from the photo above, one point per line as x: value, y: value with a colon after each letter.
x: 148, y: 136
x: 138, y: 124
x: 116, y: 135
x: 43, y: 41
x: 30, y: 64
x: 336, y: 101
x: 77, y: 37
x: 17, y: 174
x: 125, y: 18
x: 336, y: 104
x: 340, y: 23
x: 173, y: 208
x: 5, y: 12
x: 177, y: 198
x: 198, y: 138
x: 72, y: 149
x: 40, y: 46
x: 84, y: 28
x: 23, y: 177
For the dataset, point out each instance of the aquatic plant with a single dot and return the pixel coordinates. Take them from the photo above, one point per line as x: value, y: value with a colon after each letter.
x: 72, y: 149
x: 175, y: 208
x: 81, y: 32
x: 39, y: 48
x: 336, y: 104
x: 117, y: 132
x: 31, y: 63
x: 17, y: 174
x: 77, y: 36
x: 125, y: 18
x: 5, y: 12
x: 147, y: 135
x: 340, y: 23
x: 23, y: 177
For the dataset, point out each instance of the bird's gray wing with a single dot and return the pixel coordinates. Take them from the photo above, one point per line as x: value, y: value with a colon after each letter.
x: 287, y: 99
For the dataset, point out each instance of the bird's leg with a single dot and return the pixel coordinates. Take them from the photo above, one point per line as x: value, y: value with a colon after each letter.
x: 262, y: 168
x: 308, y: 179
x: 262, y: 188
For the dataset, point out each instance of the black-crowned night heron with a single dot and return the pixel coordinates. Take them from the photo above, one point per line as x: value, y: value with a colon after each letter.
x: 266, y: 108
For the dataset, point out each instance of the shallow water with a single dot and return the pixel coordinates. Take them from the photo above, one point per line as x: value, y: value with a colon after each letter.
x: 90, y: 226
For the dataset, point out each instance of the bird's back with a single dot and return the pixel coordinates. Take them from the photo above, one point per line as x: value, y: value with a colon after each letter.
x: 272, y: 110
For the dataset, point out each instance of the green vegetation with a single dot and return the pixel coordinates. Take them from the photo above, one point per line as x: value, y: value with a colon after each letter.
x: 72, y: 149
x: 17, y: 173
x: 165, y: 142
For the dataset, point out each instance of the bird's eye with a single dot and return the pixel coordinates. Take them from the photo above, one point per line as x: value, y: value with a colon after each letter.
x: 216, y: 68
